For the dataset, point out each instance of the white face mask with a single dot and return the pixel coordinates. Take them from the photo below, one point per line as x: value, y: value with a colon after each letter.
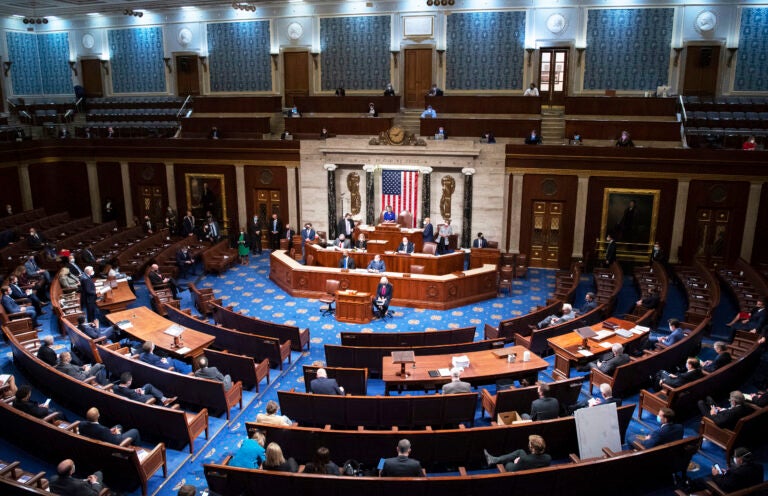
x: 658, y: 419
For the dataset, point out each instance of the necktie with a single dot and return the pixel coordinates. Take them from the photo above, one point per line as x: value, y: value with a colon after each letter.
x: 345, y: 262
x: 213, y: 230
x: 383, y: 290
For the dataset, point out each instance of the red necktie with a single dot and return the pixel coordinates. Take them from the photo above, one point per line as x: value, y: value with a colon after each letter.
x: 383, y: 290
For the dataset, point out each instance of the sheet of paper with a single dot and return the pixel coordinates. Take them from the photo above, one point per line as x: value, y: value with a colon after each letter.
x: 183, y: 351
x: 585, y: 353
x: 606, y: 345
x: 444, y: 372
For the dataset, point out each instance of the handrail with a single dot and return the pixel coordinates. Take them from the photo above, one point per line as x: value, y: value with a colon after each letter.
x: 682, y: 106
x: 186, y: 100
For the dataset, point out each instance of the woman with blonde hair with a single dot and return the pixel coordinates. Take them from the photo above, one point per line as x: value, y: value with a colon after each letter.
x: 276, y: 461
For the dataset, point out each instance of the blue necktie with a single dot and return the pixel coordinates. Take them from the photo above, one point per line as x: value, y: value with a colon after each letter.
x: 345, y: 262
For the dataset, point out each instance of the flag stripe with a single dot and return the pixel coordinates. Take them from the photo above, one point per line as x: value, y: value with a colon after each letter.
x: 400, y: 189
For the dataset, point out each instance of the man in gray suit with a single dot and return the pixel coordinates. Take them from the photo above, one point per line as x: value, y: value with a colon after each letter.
x: 206, y: 372
x: 456, y: 385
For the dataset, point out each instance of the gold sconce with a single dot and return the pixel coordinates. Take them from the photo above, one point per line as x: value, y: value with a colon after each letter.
x: 678, y: 51
x: 105, y: 66
x: 204, y: 62
x: 167, y: 61
x: 395, y: 55
x: 73, y: 66
x: 580, y: 51
x: 440, y: 53
x: 530, y: 55
x: 731, y: 53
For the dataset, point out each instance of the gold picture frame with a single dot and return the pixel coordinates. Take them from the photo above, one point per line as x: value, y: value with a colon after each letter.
x: 195, y: 184
x: 633, y: 228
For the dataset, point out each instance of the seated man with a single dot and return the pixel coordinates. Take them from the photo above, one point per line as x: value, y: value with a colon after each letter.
x: 589, y: 304
x: 346, y: 261
x: 429, y: 113
x: 33, y: 270
x: 323, y: 385
x: 114, y: 435
x: 544, y: 408
x: 676, y: 334
x: 147, y: 355
x: 63, y: 483
x: 725, y: 418
x: 754, y: 322
x: 520, y: 460
x: 206, y: 372
x: 342, y: 243
x: 82, y: 372
x: 271, y: 417
x: 606, y: 393
x: 667, y: 431
x: 693, y: 372
x: 10, y: 306
x: 722, y: 358
x: 35, y: 241
x: 533, y: 138
x: 402, y: 465
x: 377, y: 264
x: 46, y: 352
x: 608, y: 364
x: 23, y: 402
x: 156, y: 279
x: 382, y: 298
x: 92, y: 329
x: 480, y: 241
x: 649, y: 302
x: 550, y: 320
x: 456, y: 385
x: 17, y: 293
x: 142, y: 394
x: 405, y: 246
x: 184, y: 261
x: 743, y: 473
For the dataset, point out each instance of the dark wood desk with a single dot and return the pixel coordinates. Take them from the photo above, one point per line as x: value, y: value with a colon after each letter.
x: 617, y: 105
x: 118, y: 299
x: 481, y: 256
x: 477, y: 126
x: 392, y: 235
x: 394, y: 262
x: 149, y: 326
x: 353, y: 307
x: 566, y: 347
x: 352, y: 104
x: 363, y: 125
x: 507, y: 104
x: 484, y: 368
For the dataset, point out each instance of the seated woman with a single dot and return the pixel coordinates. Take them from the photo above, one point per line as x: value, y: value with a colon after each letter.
x: 67, y: 281
x: 361, y: 243
x: 372, y: 110
x: 276, y: 461
x: 750, y: 144
x: 251, y: 453
x: 625, y: 140
x: 321, y: 463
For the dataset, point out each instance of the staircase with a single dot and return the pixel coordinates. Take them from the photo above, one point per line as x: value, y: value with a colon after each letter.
x: 553, y: 125
x: 409, y: 120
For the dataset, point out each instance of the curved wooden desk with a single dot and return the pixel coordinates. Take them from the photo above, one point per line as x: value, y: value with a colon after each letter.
x: 410, y: 290
x: 394, y: 262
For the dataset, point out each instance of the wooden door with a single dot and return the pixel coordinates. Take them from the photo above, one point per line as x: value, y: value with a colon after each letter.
x: 91, y: 77
x: 187, y: 75
x: 712, y: 227
x: 701, y: 68
x: 546, y: 226
x: 418, y: 76
x: 295, y: 76
x: 151, y: 203
x: 553, y: 75
x: 267, y: 202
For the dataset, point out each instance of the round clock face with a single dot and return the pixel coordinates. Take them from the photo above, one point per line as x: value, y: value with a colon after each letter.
x: 556, y: 23
x: 705, y: 22
x: 396, y: 134
x: 295, y: 30
x: 88, y: 40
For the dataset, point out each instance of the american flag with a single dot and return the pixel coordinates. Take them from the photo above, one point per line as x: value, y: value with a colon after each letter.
x: 401, y: 190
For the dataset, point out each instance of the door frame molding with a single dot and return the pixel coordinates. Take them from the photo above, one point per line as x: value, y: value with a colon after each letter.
x: 438, y: 73
x: 105, y: 88
x: 314, y: 75
x: 725, y: 78
x: 574, y: 73
x: 203, y: 81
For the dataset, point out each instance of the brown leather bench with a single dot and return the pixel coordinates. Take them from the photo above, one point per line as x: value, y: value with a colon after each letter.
x: 748, y: 432
x: 159, y: 294
x: 536, y: 341
x: 519, y: 399
x: 227, y: 317
x: 354, y: 381
x: 219, y: 258
x: 520, y: 325
x: 239, y: 367
x: 202, y: 299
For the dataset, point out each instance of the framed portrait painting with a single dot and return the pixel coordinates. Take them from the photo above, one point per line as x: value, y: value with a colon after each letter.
x: 207, y: 193
x: 630, y: 217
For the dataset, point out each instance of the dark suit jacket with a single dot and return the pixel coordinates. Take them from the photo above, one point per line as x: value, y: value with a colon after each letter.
x: 401, y: 466
x: 658, y: 256
x: 130, y: 393
x: 155, y: 278
x: 87, y: 290
x: 530, y: 461
x: 428, y: 235
x: 97, y: 431
x: 182, y: 258
x: 213, y: 373
x: 684, y: 378
x: 307, y: 235
x: 70, y: 486
x: 72, y: 371
x: 610, y: 252
x: 350, y: 263
x: 46, y: 354
x: 587, y: 307
x: 722, y: 359
x: 32, y: 408
x: 36, y: 243
x: 10, y: 305
x: 88, y: 257
x: 740, y: 477
x: 608, y: 366
x: 387, y: 292
x: 407, y: 248
x: 342, y: 227
x: 545, y: 409
x: 726, y: 419
x: 666, y: 433
x: 652, y: 301
x: 480, y: 243
x: 324, y: 385
x: 155, y: 360
x: 74, y: 269
x: 187, y: 226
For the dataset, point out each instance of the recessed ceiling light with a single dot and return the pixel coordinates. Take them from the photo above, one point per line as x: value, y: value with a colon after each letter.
x: 93, y: 14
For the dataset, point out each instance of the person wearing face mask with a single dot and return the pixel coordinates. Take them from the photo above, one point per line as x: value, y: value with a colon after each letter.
x: 667, y: 431
x: 72, y: 266
x: 743, y: 473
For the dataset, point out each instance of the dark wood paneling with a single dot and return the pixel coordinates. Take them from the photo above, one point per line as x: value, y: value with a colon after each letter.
x: 611, y: 129
x: 295, y: 75
x: 760, y: 247
x: 732, y: 196
x: 9, y: 178
x: 617, y: 105
x: 501, y: 128
x: 417, y: 76
x: 597, y: 185
x: 485, y: 104
x: 268, y: 178
x: 229, y: 127
x: 146, y: 174
x: 61, y: 187
x: 564, y: 190
x: 701, y: 70
x: 181, y: 170
x: 111, y: 186
x: 347, y: 104
x: 237, y: 104
x: 338, y: 125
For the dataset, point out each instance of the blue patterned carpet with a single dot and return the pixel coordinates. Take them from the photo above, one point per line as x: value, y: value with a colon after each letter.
x: 249, y: 289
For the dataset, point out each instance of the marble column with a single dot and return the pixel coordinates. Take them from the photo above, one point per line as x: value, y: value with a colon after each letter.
x: 170, y: 182
x: 93, y: 189
x: 678, y: 224
x: 127, y: 198
x: 426, y: 193
x: 581, y: 218
x: 25, y: 185
x: 750, y: 220
x: 370, y: 208
x: 331, y: 173
x: 466, y: 227
x: 242, y: 215
x: 516, y: 215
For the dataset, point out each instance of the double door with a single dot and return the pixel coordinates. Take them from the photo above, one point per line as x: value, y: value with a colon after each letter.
x: 268, y: 202
x: 546, y: 229
x: 553, y: 75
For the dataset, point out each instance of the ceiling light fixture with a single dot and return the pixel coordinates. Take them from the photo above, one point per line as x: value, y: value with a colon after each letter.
x: 134, y: 13
x: 246, y: 6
